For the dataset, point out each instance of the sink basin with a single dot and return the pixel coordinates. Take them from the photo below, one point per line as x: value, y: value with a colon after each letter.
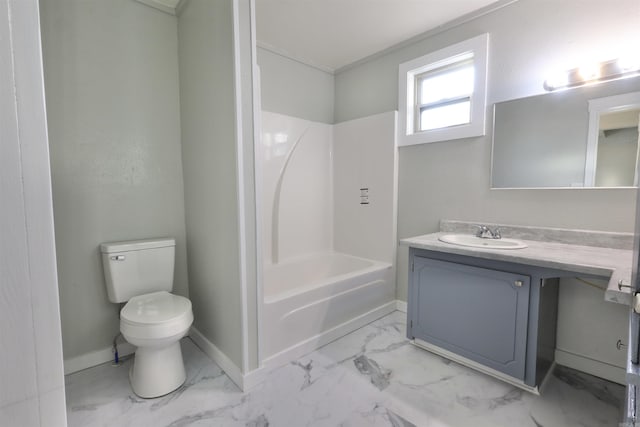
x: 478, y: 242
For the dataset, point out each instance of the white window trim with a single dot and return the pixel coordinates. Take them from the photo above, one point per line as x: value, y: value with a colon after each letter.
x: 479, y: 47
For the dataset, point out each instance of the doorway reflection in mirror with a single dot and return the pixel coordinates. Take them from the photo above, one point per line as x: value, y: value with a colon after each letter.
x: 617, y: 149
x: 612, y: 145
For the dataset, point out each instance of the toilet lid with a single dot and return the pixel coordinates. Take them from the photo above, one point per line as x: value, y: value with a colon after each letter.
x: 154, y: 308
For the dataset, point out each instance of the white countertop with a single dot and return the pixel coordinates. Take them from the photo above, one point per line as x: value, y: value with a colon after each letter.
x: 611, y: 264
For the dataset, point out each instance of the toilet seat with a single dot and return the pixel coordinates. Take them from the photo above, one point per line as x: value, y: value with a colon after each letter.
x: 155, y: 315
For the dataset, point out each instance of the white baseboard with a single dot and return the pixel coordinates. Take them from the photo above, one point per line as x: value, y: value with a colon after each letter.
x: 245, y: 382
x: 222, y: 360
x: 401, y: 306
x: 591, y: 366
x: 98, y: 357
x: 95, y: 358
x: 317, y: 341
x: 253, y: 378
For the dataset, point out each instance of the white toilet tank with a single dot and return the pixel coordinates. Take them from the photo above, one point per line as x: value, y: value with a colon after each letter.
x: 137, y: 267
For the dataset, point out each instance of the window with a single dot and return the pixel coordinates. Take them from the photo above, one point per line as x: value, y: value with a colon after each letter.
x: 442, y: 94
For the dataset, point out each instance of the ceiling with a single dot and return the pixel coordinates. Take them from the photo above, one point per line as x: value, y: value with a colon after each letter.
x: 331, y: 34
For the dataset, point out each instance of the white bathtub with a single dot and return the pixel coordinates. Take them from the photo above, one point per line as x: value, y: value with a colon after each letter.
x: 311, y: 301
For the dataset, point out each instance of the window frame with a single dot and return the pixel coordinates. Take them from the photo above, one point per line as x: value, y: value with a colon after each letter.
x: 475, y: 49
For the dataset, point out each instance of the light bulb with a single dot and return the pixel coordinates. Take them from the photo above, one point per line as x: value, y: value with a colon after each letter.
x: 589, y: 72
x: 629, y: 63
x: 557, y: 80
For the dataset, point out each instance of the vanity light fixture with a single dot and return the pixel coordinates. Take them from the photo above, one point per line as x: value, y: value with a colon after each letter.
x: 595, y: 73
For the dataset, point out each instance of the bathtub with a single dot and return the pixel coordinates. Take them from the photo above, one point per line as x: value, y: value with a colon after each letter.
x: 311, y: 301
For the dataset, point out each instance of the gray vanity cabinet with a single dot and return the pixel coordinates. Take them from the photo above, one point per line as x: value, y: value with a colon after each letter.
x: 478, y: 313
x: 484, y: 313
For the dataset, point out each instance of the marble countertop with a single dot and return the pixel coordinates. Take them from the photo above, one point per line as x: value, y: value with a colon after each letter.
x: 611, y: 264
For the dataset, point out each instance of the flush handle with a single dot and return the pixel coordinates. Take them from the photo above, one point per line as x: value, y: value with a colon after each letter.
x: 118, y: 258
x: 518, y: 283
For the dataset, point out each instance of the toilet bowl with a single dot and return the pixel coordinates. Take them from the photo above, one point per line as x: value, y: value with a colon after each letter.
x: 140, y: 273
x: 155, y: 323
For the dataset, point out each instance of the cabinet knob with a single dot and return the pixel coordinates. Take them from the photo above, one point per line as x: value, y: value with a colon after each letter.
x: 518, y: 283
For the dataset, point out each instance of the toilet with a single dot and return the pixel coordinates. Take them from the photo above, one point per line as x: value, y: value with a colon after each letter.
x: 140, y: 274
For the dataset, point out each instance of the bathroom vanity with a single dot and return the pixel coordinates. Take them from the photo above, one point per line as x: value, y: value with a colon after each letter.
x: 496, y: 310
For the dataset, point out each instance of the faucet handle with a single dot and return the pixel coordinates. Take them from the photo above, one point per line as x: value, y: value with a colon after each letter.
x: 496, y: 233
x: 483, y: 230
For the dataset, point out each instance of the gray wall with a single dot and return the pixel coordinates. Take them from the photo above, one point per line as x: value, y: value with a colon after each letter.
x: 111, y: 74
x: 526, y: 43
x: 295, y: 89
x: 31, y: 381
x: 205, y: 30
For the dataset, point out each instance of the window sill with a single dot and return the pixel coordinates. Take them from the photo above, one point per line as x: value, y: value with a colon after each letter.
x: 444, y: 134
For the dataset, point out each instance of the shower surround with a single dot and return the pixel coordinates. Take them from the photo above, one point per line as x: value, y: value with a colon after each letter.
x: 329, y: 229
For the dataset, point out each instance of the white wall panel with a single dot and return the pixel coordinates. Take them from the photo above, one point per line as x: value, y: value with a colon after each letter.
x: 365, y: 156
x: 297, y: 187
x: 23, y: 414
x: 17, y: 371
x: 31, y: 382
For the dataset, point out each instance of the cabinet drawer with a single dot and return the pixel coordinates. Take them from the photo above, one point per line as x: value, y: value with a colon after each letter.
x: 478, y: 313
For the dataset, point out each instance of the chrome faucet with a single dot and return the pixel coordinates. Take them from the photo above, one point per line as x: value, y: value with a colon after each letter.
x: 485, y: 232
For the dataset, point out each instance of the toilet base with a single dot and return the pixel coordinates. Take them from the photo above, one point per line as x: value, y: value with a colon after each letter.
x: 157, y: 371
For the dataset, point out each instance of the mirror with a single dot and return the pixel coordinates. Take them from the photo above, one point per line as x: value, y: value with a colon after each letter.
x: 577, y: 138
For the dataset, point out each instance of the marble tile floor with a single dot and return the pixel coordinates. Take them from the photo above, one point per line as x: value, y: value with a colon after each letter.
x: 371, y: 377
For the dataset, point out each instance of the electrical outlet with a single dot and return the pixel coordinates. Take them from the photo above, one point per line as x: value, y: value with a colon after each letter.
x: 364, y: 196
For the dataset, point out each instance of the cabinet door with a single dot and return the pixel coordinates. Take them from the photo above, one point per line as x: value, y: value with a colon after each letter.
x: 478, y: 313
